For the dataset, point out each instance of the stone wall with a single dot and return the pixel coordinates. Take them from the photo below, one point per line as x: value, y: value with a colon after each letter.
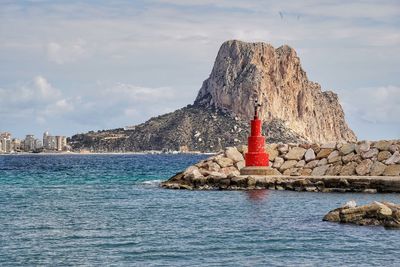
x: 365, y: 158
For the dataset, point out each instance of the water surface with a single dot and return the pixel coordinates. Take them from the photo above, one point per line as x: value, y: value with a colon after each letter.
x: 108, y: 210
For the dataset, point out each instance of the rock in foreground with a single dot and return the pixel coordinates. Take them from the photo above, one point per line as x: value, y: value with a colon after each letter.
x: 386, y: 214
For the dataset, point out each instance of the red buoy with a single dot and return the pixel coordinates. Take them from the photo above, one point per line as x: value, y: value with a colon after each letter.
x: 256, y: 155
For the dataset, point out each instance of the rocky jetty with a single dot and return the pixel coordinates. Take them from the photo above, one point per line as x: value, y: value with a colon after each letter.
x: 294, y: 109
x: 338, y: 167
x: 386, y: 214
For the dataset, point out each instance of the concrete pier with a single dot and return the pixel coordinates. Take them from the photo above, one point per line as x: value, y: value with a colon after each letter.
x: 343, y: 184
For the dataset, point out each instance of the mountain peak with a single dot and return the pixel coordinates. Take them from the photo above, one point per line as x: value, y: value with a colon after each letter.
x: 244, y: 72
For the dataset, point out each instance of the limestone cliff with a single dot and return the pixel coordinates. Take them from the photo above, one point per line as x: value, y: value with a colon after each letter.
x: 244, y: 71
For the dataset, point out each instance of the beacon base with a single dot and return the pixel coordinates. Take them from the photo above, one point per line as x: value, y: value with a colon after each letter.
x: 257, y: 170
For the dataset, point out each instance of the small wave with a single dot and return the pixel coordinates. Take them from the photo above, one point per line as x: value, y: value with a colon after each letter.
x: 152, y: 182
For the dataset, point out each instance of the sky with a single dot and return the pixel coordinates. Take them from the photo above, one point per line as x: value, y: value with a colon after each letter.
x: 69, y: 67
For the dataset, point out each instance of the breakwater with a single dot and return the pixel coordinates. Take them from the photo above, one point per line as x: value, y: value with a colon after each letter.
x: 339, y: 167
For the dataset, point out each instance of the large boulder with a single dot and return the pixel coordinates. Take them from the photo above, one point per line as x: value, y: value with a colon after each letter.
x: 377, y: 168
x: 224, y: 162
x: 364, y: 167
x: 375, y: 213
x: 383, y: 145
x: 395, y: 158
x: 324, y: 153
x: 233, y: 154
x: 309, y: 155
x: 320, y: 170
x: 296, y: 153
x: 347, y: 148
x: 288, y: 165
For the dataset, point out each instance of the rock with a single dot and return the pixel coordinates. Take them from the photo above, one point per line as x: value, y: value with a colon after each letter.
x: 324, y: 153
x: 320, y: 170
x: 233, y: 154
x: 224, y: 162
x: 332, y: 216
x: 177, y: 177
x: 309, y: 155
x: 369, y: 191
x: 300, y: 164
x: 377, y: 168
x: 347, y: 148
x: 346, y: 159
x: 190, y: 169
x: 334, y: 157
x: 395, y: 158
x: 287, y: 172
x: 305, y: 146
x: 251, y: 181
x: 330, y: 145
x: 295, y: 172
x: 316, y: 148
x: 242, y: 149
x: 322, y: 162
x: 312, y: 164
x: 272, y: 151
x: 305, y: 172
x: 213, y: 166
x: 393, y: 148
x: 349, y: 204
x: 283, y: 148
x: 287, y: 165
x: 311, y: 189
x: 240, y: 164
x: 383, y: 145
x: 392, y: 170
x: 364, y: 167
x: 373, y: 152
x: 375, y: 213
x: 383, y: 209
x: 230, y: 170
x: 334, y: 170
x: 278, y: 162
x: 217, y: 175
x: 363, y: 147
x: 349, y: 169
x: 273, y: 172
x: 296, y: 153
x: 384, y: 155
x: 193, y: 174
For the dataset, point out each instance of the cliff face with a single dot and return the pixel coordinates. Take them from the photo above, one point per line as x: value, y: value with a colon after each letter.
x: 246, y: 71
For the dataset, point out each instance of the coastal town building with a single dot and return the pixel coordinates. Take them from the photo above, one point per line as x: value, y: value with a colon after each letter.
x: 58, y: 142
x: 32, y: 144
x: 29, y: 143
x: 5, y: 142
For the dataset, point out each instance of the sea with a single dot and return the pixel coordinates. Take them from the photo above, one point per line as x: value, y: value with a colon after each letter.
x: 108, y: 210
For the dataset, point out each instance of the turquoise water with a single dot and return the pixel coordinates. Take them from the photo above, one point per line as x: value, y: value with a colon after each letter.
x: 92, y: 210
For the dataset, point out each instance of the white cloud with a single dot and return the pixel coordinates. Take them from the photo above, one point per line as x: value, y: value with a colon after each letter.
x: 66, y: 52
x: 373, y: 104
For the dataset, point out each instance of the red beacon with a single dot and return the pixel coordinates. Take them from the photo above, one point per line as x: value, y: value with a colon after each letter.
x: 257, y: 160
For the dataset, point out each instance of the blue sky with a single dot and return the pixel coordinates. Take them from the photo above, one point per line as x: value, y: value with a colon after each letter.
x: 74, y: 66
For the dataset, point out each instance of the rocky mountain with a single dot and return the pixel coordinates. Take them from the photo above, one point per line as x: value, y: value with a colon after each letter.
x: 293, y: 108
x: 246, y: 71
x: 189, y: 128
